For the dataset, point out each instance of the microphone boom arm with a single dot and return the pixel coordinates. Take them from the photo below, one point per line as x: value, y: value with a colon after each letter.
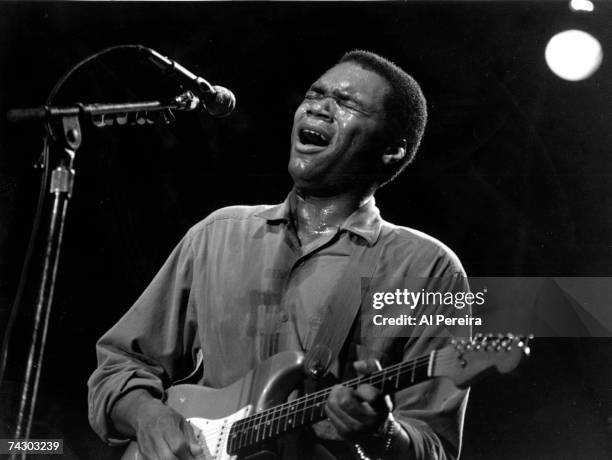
x: 185, y: 102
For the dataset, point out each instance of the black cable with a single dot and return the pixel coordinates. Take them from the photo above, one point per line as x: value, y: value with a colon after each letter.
x: 26, y: 264
x: 44, y: 162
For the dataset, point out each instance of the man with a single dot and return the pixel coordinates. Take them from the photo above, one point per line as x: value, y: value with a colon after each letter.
x: 248, y: 282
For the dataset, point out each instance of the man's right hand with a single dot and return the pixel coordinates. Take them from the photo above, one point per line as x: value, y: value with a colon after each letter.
x: 161, y: 432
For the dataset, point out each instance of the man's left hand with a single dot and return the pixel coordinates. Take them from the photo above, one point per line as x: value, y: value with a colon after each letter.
x: 361, y: 411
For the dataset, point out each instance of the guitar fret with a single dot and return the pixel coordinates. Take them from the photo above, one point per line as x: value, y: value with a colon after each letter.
x: 232, y: 438
x: 248, y: 435
x: 257, y: 426
x: 238, y: 434
x: 315, y: 405
x: 291, y: 415
x: 280, y: 418
x: 252, y: 429
x: 321, y: 403
x: 268, y: 423
x: 303, y: 411
x: 312, y: 409
x: 278, y: 427
x: 272, y: 431
x: 285, y: 417
x: 244, y: 435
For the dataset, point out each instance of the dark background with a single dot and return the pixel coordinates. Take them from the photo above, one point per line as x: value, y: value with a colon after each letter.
x: 513, y: 174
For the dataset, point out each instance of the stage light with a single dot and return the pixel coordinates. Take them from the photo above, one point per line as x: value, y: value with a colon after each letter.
x: 573, y: 55
x: 582, y: 5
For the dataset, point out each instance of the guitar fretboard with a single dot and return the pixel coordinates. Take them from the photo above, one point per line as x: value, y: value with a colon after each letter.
x: 310, y: 408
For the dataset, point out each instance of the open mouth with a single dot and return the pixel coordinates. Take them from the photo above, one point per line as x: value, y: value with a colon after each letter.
x: 310, y: 137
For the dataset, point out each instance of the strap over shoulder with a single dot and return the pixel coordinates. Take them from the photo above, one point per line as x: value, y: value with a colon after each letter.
x: 342, y: 309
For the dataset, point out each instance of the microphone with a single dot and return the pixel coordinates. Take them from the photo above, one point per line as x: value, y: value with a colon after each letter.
x: 217, y: 100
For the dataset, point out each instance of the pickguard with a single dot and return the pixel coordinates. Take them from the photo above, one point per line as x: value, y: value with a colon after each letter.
x: 213, y: 434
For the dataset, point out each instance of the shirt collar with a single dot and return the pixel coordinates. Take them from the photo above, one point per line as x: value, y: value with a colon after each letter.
x: 365, y: 221
x: 279, y: 212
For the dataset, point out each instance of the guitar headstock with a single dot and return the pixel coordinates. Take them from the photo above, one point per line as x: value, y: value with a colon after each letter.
x: 464, y: 361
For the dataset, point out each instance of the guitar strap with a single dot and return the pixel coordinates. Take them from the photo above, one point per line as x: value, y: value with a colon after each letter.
x: 342, y: 309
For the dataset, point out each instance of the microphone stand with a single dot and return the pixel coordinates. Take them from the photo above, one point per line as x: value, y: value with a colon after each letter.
x: 63, y: 132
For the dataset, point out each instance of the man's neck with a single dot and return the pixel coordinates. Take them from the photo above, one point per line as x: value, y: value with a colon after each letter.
x: 318, y: 217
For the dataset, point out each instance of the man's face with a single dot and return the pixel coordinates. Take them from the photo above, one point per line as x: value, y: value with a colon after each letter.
x: 338, y: 131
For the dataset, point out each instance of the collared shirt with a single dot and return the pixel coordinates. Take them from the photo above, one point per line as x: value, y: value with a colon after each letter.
x: 239, y: 288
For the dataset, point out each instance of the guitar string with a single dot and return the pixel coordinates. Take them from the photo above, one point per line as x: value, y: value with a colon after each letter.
x: 417, y: 362
x: 441, y: 357
x: 248, y: 431
x: 380, y: 377
x: 252, y: 420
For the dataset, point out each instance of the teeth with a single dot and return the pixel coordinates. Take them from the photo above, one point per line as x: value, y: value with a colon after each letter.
x: 320, y: 136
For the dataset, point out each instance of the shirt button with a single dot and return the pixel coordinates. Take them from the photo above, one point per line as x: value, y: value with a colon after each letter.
x: 284, y: 317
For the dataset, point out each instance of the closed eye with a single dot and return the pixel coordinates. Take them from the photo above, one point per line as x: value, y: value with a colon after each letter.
x: 341, y: 99
x: 348, y: 102
x: 313, y: 94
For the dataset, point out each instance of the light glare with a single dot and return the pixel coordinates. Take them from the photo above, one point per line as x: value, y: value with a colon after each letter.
x: 582, y: 5
x: 573, y: 55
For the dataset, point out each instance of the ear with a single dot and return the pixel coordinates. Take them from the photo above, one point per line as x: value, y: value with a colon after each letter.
x: 394, y: 153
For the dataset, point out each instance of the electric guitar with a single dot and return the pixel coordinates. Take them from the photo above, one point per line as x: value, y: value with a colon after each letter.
x: 237, y: 421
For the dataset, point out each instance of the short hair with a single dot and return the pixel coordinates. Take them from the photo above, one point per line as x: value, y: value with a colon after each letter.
x: 405, y: 106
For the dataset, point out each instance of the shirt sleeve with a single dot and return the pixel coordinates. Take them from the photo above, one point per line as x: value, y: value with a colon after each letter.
x: 152, y: 345
x: 432, y: 413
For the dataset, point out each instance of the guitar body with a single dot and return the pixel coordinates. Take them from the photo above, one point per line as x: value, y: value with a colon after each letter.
x: 244, y: 418
x: 212, y: 411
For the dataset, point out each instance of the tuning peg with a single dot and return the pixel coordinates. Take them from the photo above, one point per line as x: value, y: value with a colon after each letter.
x: 523, y: 340
x: 98, y: 121
x: 122, y: 118
x: 168, y: 116
x: 140, y: 118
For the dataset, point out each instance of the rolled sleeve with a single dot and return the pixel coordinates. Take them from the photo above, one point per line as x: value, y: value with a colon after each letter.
x: 152, y: 345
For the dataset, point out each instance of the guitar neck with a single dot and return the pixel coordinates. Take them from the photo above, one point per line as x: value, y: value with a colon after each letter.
x: 310, y: 408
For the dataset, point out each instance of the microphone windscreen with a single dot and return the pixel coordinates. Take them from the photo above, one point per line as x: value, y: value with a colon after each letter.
x: 224, y: 103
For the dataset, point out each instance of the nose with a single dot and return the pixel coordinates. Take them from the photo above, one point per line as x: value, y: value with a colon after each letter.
x: 321, y: 108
